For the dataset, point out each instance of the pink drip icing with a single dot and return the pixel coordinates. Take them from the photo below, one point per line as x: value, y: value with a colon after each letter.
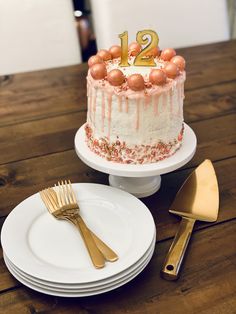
x: 164, y: 103
x: 171, y: 101
x: 126, y: 104
x: 182, y: 90
x: 94, y: 100
x: 120, y: 103
x: 90, y: 103
x: 147, y: 101
x: 179, y: 98
x: 109, y: 102
x: 156, y: 102
x: 103, y: 110
x: 137, y: 113
x: 94, y: 106
x: 87, y: 89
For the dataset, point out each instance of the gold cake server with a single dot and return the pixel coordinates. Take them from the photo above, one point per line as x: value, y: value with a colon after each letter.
x: 197, y: 199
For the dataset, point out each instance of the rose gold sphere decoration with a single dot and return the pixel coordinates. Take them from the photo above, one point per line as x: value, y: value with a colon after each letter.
x: 153, y: 52
x: 171, y: 70
x: 157, y: 77
x: 115, y: 51
x: 167, y: 54
x: 179, y: 61
x: 116, y: 77
x: 98, y: 71
x: 104, y: 54
x: 93, y: 60
x: 136, y: 82
x: 134, y: 48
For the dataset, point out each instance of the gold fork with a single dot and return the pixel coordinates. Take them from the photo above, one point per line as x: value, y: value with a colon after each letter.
x: 66, y: 187
x: 67, y: 212
x: 64, y: 199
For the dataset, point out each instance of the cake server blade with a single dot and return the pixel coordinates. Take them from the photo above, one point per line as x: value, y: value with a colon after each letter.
x: 197, y: 199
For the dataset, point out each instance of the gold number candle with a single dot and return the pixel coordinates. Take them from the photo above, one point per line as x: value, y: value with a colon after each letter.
x: 124, y: 49
x: 145, y: 58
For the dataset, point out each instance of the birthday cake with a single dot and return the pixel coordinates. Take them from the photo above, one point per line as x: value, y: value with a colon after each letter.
x: 135, y: 113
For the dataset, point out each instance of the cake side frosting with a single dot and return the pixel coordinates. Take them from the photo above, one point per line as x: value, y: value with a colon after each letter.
x: 135, y: 126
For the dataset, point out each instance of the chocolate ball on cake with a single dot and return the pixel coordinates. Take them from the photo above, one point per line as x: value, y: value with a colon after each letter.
x: 168, y: 54
x: 104, y: 54
x: 136, y: 82
x: 157, y: 77
x: 134, y: 48
x: 115, y: 51
x: 153, y: 52
x: 116, y: 77
x: 179, y: 61
x: 94, y: 59
x: 171, y: 70
x: 98, y: 71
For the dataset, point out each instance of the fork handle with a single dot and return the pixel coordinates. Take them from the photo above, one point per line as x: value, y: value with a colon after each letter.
x: 95, y: 255
x: 106, y: 251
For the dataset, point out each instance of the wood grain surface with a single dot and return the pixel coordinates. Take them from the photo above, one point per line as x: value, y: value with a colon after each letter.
x: 40, y: 113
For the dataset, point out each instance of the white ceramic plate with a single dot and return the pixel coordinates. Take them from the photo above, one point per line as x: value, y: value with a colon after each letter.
x: 52, y: 250
x: 68, y: 293
x: 86, y: 287
x: 72, y: 288
x: 180, y: 158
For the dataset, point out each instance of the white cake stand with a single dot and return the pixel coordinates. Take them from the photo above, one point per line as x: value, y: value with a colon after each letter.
x: 139, y: 180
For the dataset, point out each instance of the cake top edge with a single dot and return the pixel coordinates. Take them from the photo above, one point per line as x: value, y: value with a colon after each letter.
x: 107, y: 67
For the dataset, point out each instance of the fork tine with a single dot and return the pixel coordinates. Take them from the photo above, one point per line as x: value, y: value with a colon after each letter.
x: 57, y: 191
x: 72, y: 193
x: 61, y: 193
x: 65, y: 193
x: 46, y: 201
x: 51, y: 197
x: 69, y: 194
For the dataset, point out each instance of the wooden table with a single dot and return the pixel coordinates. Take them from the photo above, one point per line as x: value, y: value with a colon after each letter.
x: 40, y: 113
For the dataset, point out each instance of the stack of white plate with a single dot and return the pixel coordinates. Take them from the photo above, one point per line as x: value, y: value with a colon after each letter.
x: 48, y: 255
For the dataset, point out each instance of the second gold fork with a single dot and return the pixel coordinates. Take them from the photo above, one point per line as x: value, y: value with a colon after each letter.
x: 64, y: 196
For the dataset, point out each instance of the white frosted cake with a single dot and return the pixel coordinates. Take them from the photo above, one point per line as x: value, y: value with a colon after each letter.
x: 135, y: 113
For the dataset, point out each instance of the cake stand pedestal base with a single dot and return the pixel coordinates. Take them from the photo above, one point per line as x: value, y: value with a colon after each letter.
x: 140, y: 187
x: 139, y: 180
